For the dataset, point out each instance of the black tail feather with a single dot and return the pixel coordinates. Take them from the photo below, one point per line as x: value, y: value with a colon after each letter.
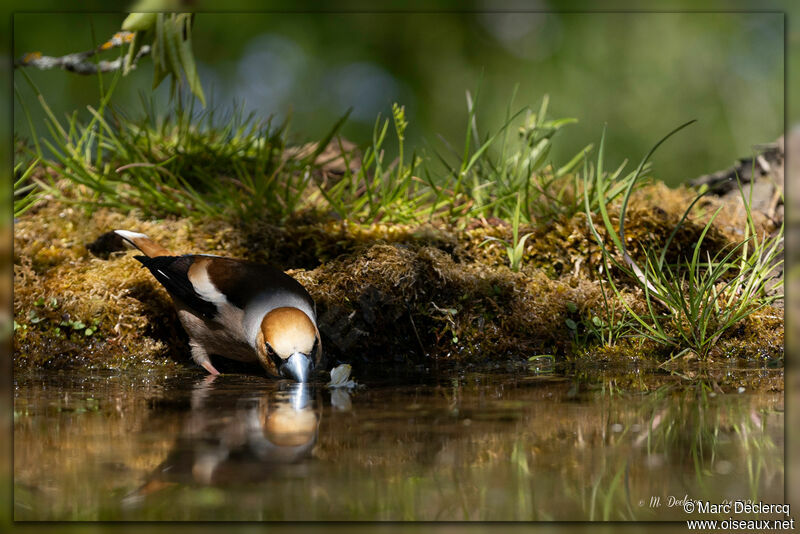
x: 173, y: 273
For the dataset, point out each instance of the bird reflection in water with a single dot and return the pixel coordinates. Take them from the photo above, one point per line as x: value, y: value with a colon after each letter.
x: 236, y: 435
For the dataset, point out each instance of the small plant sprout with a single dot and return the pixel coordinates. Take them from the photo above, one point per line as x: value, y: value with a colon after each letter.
x: 515, y: 250
x: 613, y: 323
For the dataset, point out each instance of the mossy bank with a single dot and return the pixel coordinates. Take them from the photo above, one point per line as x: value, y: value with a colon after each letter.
x: 386, y: 293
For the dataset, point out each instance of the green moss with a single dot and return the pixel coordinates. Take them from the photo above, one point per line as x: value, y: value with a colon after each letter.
x: 385, y: 292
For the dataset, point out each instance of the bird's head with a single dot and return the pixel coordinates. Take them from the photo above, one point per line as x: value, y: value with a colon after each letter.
x: 289, y: 417
x: 288, y: 344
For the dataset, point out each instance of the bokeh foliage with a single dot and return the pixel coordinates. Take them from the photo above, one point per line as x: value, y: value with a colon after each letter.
x: 639, y: 72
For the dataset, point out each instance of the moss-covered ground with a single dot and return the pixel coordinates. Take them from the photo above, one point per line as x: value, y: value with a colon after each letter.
x: 386, y: 293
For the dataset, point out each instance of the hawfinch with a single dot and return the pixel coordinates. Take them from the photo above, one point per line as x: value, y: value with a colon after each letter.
x: 234, y: 439
x: 237, y: 309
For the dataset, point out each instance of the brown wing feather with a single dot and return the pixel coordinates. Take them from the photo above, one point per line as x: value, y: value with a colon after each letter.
x: 240, y: 280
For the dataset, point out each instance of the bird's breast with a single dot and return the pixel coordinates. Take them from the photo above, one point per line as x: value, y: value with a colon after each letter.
x: 223, y: 336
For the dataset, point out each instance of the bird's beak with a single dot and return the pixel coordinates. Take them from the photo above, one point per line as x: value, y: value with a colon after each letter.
x: 298, y: 367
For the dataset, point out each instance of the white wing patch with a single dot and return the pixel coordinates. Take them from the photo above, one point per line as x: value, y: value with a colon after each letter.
x: 198, y: 276
x: 130, y: 235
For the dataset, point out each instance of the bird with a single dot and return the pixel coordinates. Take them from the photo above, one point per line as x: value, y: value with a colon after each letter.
x: 233, y: 435
x: 237, y: 309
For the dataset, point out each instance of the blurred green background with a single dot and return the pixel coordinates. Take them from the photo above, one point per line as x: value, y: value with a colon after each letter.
x: 640, y: 73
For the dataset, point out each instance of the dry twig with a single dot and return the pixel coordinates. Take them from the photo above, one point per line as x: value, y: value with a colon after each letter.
x: 80, y: 63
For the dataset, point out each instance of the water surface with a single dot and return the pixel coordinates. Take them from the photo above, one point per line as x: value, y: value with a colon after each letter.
x: 510, y: 444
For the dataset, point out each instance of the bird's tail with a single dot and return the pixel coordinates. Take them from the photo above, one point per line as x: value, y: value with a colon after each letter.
x: 142, y: 242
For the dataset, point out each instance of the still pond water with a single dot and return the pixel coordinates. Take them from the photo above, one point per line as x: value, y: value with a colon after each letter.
x: 510, y: 444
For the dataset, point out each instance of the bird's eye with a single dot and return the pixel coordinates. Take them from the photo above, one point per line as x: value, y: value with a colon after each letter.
x: 273, y: 355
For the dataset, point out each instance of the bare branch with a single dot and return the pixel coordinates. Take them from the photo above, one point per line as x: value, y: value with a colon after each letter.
x: 79, y: 62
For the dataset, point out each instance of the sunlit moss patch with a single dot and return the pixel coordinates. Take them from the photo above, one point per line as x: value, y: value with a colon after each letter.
x: 384, y: 292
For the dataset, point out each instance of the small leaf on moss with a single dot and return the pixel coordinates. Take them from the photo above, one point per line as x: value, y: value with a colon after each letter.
x: 340, y: 377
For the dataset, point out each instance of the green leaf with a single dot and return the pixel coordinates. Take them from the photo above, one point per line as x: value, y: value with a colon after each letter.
x: 559, y: 123
x: 572, y: 325
x: 159, y: 59
x: 571, y: 307
x: 136, y: 22
x: 542, y: 110
x: 133, y: 47
x: 539, y: 154
x: 491, y: 239
x: 189, y: 67
x: 575, y: 161
x: 172, y: 38
x: 519, y: 250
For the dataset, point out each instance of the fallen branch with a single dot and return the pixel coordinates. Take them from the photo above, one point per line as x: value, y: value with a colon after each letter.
x: 80, y: 63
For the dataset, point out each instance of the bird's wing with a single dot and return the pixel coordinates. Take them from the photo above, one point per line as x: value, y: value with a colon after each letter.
x: 173, y: 273
x: 242, y: 281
